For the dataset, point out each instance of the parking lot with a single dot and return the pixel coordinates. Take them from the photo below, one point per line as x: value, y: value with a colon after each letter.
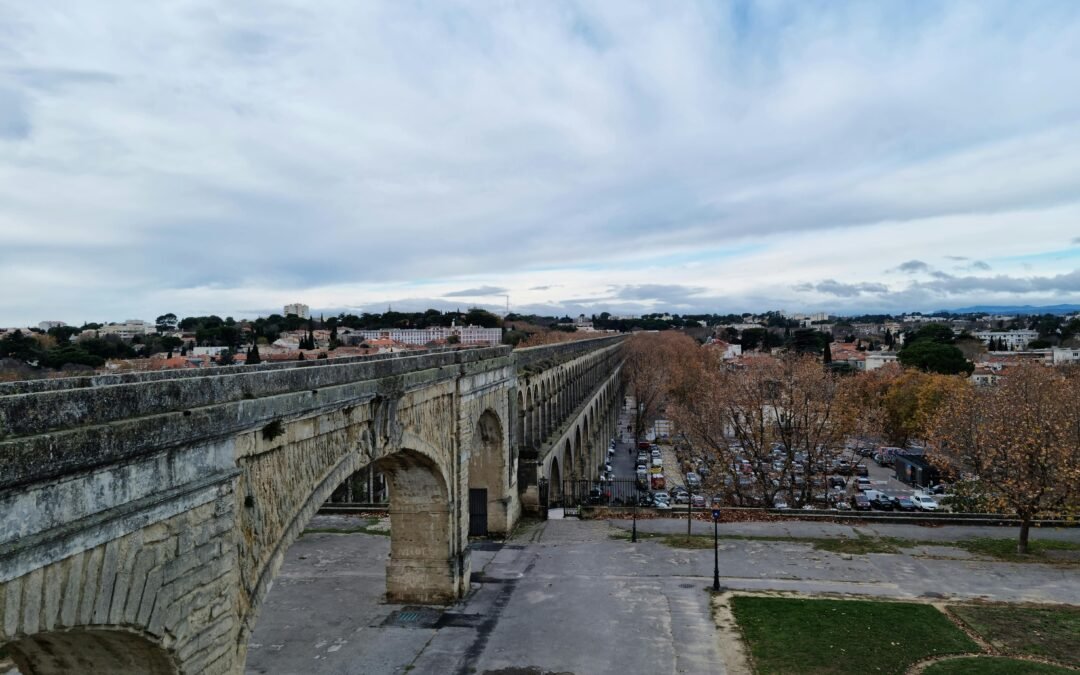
x: 842, y: 484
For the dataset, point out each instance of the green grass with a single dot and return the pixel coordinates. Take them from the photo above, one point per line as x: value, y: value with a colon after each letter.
x: 994, y: 666
x: 1038, y: 550
x: 830, y: 637
x: 1049, y: 632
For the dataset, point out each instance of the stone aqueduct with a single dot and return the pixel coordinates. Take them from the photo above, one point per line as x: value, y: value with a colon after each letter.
x: 143, y: 517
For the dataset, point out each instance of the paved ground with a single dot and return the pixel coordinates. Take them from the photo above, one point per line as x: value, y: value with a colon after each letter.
x: 566, y: 597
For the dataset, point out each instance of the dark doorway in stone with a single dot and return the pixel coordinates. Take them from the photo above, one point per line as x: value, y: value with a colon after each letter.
x: 478, y: 516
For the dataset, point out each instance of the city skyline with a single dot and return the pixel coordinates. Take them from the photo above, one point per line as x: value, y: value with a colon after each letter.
x: 578, y: 157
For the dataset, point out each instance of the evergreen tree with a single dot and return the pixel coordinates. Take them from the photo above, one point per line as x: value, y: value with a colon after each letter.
x: 827, y: 354
x: 301, y: 356
x: 253, y: 355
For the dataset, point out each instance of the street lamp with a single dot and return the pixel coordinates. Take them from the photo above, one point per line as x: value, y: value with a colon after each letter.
x: 633, y: 532
x: 716, y: 551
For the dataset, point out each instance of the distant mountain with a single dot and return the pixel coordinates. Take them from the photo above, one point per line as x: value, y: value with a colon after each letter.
x: 1015, y: 309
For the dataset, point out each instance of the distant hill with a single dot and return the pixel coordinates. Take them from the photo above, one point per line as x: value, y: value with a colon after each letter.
x: 1015, y: 309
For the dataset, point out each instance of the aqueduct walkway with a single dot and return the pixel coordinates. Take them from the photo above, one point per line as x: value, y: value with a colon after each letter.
x: 144, y: 516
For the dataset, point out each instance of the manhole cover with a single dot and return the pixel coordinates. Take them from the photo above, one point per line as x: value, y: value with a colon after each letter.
x: 413, y: 617
x: 686, y: 585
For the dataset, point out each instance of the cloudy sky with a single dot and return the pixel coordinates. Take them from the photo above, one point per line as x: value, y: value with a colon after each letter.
x: 200, y: 157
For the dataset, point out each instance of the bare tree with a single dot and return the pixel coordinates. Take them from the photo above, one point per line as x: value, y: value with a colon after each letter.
x: 1018, y: 442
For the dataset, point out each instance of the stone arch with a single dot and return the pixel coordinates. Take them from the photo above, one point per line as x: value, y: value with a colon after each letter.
x: 578, y: 456
x: 555, y: 481
x: 522, y: 435
x: 534, y: 415
x: 488, y: 470
x: 101, y: 649
x: 421, y: 527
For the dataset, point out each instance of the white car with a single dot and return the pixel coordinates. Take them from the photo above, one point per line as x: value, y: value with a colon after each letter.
x: 924, y: 503
x: 657, y: 461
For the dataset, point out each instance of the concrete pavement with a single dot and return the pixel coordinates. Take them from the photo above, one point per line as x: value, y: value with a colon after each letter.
x: 567, y: 597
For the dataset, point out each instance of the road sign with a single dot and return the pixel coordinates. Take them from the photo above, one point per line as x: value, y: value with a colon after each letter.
x: 716, y: 514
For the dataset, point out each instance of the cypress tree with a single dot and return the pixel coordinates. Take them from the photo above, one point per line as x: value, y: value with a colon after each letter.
x: 827, y: 354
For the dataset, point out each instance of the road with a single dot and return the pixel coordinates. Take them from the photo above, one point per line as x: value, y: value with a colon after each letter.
x: 565, y: 596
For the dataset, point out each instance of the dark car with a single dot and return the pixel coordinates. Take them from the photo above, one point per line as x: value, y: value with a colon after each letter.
x: 903, y: 504
x: 837, y: 482
x: 860, y: 503
x: 861, y: 470
x: 596, y: 496
x: 645, y: 499
x: 882, y: 502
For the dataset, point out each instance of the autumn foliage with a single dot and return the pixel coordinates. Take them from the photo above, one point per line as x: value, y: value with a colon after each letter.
x: 1018, y: 442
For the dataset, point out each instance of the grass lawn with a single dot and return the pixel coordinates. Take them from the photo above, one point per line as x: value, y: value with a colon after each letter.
x: 994, y: 666
x: 788, y: 635
x: 1050, y: 632
x: 1039, y: 550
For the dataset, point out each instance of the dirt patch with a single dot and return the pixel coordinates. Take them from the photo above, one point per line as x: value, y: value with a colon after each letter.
x: 732, y: 647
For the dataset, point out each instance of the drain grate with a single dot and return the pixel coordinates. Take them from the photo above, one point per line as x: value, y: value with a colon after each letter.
x: 686, y: 585
x: 413, y: 617
x: 456, y: 620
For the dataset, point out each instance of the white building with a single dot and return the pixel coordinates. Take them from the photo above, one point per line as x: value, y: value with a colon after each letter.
x: 207, y: 351
x: 875, y: 360
x: 299, y: 309
x: 46, y: 325
x: 469, y: 335
x: 129, y: 329
x: 1063, y: 355
x: 1012, y: 339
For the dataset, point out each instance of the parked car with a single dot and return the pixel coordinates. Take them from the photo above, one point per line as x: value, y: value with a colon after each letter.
x: 837, y: 482
x: 903, y: 503
x: 596, y: 496
x: 680, y: 498
x: 645, y: 498
x: 862, y: 470
x: 657, y: 461
x: 862, y: 483
x: 859, y: 502
x: 657, y: 482
x: 717, y: 500
x: 882, y: 502
x: 779, y: 503
x: 693, y: 480
x: 607, y: 466
x: 698, y: 501
x: 924, y: 502
x: 842, y: 506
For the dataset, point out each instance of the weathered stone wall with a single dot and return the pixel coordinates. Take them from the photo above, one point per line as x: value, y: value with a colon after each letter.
x: 174, y: 579
x: 148, y: 514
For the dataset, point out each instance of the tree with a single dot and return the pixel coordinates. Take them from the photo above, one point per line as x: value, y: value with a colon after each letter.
x: 253, y: 355
x: 1018, y: 442
x: 826, y: 355
x: 453, y: 339
x: 769, y: 426
x: 225, y: 358
x: 935, y: 357
x: 655, y: 366
x: 166, y: 323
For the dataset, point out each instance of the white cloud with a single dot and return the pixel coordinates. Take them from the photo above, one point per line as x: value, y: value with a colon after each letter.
x: 365, y: 152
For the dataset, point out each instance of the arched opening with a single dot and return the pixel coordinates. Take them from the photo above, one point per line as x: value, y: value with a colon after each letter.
x: 93, y: 651
x: 419, y: 569
x: 488, y: 490
x: 555, y: 483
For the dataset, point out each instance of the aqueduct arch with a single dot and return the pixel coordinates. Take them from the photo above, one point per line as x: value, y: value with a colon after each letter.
x: 169, y: 499
x: 98, y: 651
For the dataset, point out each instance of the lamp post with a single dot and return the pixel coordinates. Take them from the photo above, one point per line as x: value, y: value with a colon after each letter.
x: 633, y: 532
x: 716, y: 551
